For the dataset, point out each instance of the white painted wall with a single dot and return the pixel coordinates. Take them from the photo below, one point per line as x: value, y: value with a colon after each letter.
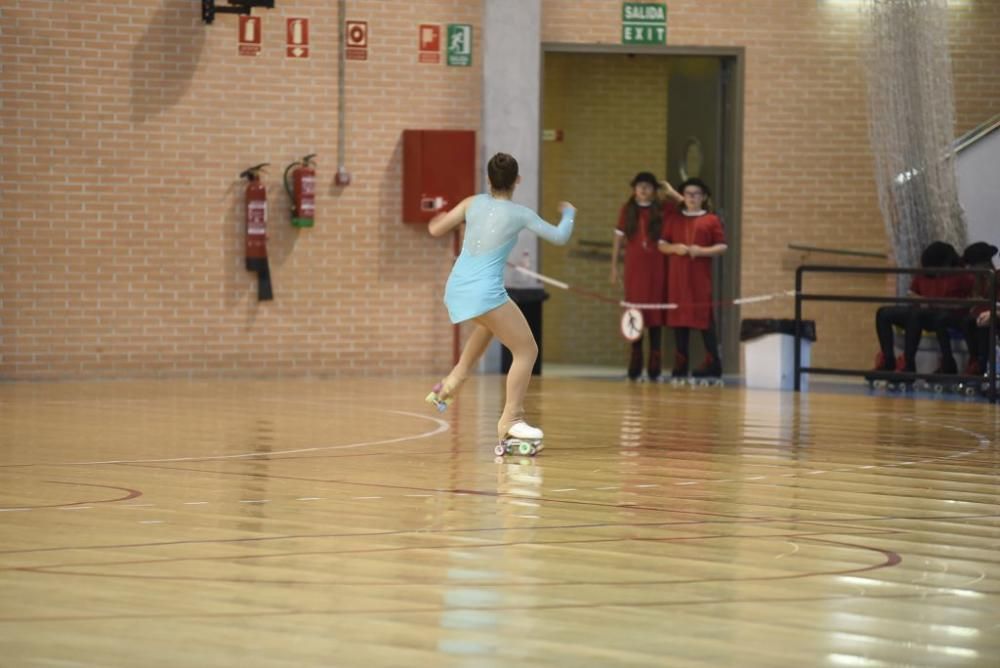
x: 978, y: 170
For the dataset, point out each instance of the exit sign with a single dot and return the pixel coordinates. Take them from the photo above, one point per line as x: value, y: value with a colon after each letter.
x: 644, y: 23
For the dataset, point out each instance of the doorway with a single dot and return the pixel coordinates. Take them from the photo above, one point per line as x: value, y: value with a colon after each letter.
x: 608, y: 113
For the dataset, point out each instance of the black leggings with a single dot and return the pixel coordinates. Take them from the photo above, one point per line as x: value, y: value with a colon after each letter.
x: 655, y: 352
x: 682, y: 336
x: 978, y: 341
x: 914, y: 320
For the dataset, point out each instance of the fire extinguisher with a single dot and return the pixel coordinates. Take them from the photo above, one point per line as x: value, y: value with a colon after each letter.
x: 302, y: 190
x: 256, y: 219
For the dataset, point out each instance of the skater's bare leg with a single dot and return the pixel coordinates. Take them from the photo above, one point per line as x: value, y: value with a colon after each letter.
x: 507, y: 323
x: 474, y: 348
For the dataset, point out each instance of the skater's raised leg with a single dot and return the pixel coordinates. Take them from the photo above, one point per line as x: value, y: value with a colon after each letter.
x: 443, y: 393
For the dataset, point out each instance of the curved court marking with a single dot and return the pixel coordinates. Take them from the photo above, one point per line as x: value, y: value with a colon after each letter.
x: 889, y: 560
x: 441, y: 427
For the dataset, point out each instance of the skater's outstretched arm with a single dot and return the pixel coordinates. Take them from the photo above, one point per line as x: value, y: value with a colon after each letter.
x: 556, y: 234
x: 443, y: 223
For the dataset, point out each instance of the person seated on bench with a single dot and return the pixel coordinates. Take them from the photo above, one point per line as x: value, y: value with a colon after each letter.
x: 977, y: 320
x: 914, y: 318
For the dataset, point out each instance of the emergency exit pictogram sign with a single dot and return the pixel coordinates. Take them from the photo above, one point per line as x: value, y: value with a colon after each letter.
x: 459, y: 44
x: 429, y: 44
x: 297, y: 38
x: 250, y: 35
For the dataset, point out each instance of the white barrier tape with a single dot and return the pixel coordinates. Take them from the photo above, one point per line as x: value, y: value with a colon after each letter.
x: 765, y: 298
x: 650, y: 307
x: 543, y: 279
x: 743, y: 300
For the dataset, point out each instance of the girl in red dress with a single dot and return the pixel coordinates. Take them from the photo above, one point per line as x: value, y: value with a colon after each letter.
x: 692, y: 237
x: 640, y: 223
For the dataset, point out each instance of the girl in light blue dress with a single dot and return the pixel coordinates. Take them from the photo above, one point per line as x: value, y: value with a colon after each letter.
x: 475, y: 290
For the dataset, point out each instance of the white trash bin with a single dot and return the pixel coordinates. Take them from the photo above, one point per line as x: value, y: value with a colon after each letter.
x: 769, y: 360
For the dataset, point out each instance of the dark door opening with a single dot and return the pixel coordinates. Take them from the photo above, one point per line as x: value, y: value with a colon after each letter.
x: 606, y: 115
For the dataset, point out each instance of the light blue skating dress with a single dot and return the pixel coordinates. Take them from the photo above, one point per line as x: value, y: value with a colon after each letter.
x: 476, y: 285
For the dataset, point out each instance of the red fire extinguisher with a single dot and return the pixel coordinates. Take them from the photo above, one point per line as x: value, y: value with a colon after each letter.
x: 302, y: 190
x: 256, y: 218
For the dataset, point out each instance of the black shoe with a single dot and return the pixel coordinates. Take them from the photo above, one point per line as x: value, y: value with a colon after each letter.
x: 872, y: 378
x: 948, y: 366
x: 712, y: 368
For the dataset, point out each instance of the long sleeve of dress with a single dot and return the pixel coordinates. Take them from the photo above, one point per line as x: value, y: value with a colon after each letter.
x: 556, y: 234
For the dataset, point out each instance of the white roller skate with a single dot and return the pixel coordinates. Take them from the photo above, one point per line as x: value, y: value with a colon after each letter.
x: 521, y: 439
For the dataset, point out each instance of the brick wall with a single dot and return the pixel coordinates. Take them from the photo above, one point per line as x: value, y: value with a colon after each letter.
x: 125, y: 125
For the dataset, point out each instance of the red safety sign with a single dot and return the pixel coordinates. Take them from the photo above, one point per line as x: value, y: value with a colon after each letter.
x: 297, y: 38
x: 429, y: 48
x: 356, y: 44
x: 250, y: 35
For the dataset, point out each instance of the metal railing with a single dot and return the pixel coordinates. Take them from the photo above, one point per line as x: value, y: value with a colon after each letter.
x: 977, y: 133
x: 892, y: 376
x: 837, y: 251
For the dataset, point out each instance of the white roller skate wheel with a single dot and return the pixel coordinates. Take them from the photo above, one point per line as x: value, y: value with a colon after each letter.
x: 500, y: 450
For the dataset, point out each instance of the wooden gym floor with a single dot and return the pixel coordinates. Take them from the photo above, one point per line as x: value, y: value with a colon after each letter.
x: 346, y: 523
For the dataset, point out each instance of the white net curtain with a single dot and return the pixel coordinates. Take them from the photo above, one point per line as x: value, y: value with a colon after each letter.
x: 912, y: 124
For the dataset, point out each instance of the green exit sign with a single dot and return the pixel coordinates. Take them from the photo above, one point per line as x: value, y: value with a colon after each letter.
x: 644, y: 23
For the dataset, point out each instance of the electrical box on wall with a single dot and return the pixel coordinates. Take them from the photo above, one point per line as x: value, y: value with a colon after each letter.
x: 438, y: 165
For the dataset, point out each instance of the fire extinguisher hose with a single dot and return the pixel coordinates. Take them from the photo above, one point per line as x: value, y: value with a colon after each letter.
x: 263, y: 271
x: 288, y: 187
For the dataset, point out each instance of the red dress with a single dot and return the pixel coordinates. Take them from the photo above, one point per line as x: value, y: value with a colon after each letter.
x: 690, y: 279
x: 645, y: 269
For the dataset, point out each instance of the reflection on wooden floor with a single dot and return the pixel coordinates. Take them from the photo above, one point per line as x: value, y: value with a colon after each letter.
x: 345, y: 523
